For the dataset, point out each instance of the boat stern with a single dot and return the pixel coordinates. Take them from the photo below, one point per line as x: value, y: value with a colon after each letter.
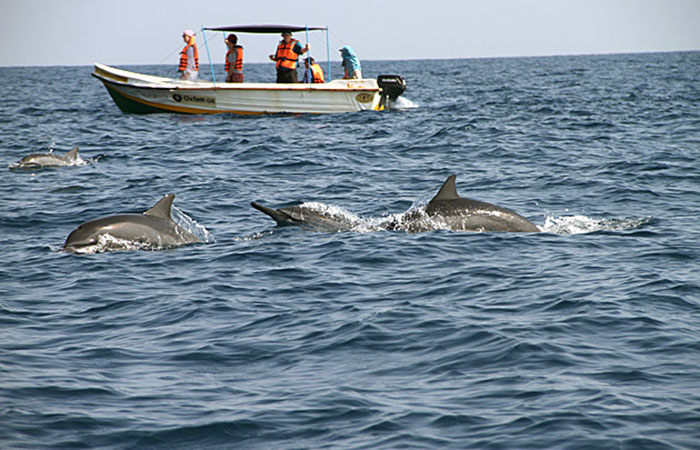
x: 390, y: 88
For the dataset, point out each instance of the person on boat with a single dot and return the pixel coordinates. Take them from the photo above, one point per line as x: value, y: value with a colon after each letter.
x: 189, y: 57
x: 351, y: 63
x: 234, y: 60
x: 287, y: 55
x: 315, y: 69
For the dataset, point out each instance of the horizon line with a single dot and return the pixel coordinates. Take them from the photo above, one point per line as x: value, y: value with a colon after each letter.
x: 553, y: 55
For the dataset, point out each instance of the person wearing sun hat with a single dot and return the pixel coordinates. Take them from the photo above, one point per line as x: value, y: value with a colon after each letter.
x: 351, y: 63
x: 189, y: 57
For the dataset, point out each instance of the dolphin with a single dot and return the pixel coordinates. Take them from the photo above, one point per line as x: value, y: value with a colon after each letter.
x: 40, y: 160
x: 314, y: 215
x: 447, y: 209
x: 154, y: 229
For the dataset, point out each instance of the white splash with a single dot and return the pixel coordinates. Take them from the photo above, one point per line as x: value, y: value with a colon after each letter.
x: 81, y: 162
x: 331, y: 211
x: 51, y: 145
x: 191, y: 225
x: 402, y: 103
x: 107, y: 243
x: 254, y: 236
x: 578, y: 224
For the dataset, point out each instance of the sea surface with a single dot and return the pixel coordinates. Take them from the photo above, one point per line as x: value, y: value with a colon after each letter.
x: 583, y: 336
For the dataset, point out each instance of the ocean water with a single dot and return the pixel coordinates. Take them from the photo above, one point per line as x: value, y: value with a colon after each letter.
x: 586, y: 335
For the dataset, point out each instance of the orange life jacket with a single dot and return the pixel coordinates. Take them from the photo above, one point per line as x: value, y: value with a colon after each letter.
x: 239, y: 59
x: 316, y: 73
x: 285, y: 56
x: 183, y: 58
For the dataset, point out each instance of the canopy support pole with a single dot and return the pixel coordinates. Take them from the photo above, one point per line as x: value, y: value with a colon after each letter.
x: 328, y: 54
x: 206, y: 44
x: 308, y: 56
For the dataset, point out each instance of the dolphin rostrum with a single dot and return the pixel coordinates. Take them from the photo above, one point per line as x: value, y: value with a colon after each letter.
x: 447, y: 210
x: 154, y: 229
x: 39, y: 160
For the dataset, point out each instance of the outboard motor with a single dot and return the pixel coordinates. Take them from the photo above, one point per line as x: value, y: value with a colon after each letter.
x: 390, y: 87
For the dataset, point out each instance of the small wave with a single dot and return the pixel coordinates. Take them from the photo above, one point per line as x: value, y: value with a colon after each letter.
x: 578, y: 224
x: 66, y: 189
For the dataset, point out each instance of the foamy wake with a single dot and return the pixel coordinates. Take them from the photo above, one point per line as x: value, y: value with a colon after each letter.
x: 578, y: 224
x: 402, y: 103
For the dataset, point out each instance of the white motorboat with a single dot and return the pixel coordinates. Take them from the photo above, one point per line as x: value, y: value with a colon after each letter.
x: 140, y: 93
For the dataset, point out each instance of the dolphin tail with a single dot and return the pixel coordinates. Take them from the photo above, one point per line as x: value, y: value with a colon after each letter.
x: 278, y: 216
x: 72, y: 153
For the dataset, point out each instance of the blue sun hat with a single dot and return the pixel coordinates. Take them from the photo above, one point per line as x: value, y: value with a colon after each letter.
x: 350, y: 59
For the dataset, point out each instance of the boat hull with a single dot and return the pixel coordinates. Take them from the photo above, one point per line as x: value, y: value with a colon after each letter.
x: 143, y: 94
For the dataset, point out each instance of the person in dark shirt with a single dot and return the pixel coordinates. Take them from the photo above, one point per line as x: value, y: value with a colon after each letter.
x: 286, y: 57
x: 315, y: 69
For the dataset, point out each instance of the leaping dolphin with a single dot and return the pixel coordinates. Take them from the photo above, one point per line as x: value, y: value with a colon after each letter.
x: 447, y: 210
x: 154, y: 229
x: 40, y: 160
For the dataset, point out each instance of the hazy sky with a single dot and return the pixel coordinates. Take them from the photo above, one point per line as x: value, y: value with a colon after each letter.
x: 123, y: 32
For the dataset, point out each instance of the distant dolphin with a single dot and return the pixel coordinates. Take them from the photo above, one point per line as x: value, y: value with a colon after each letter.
x: 154, y: 229
x: 447, y: 210
x: 40, y: 160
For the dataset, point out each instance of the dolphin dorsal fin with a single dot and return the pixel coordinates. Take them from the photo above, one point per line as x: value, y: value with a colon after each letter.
x: 162, y: 208
x: 448, y: 191
x: 72, y: 153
